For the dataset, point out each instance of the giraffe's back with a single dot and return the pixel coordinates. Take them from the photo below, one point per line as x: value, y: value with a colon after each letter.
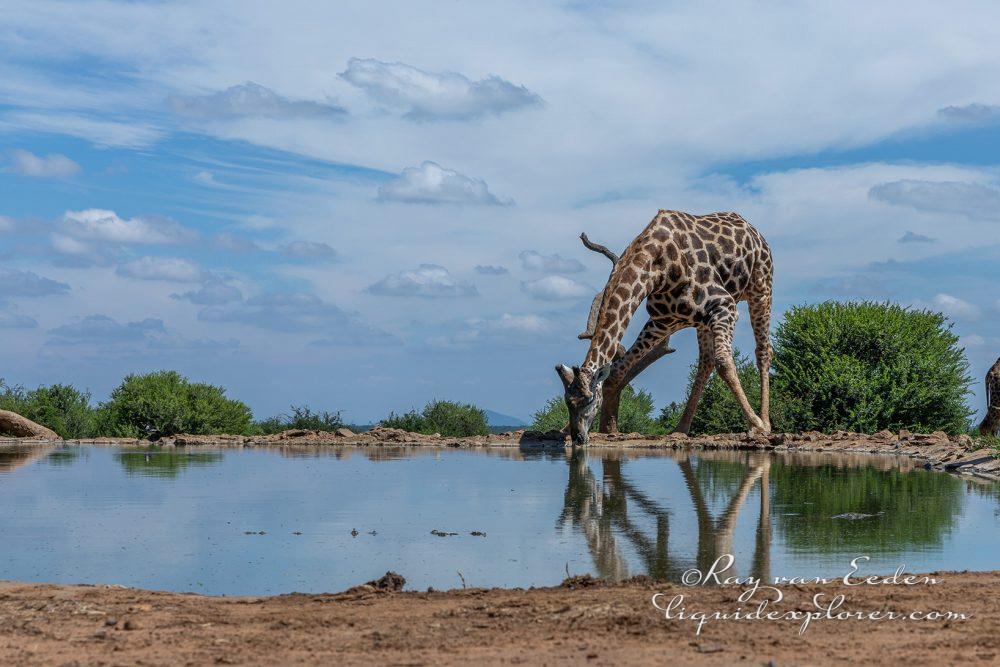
x: 716, y: 248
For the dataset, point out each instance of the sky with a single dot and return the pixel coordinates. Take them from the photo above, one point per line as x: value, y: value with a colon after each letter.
x: 362, y: 206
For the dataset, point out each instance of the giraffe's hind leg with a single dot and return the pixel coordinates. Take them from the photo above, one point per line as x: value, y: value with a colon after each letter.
x: 706, y: 364
x: 760, y: 321
x: 722, y: 325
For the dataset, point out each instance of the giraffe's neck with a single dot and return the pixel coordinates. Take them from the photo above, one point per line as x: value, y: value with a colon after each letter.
x: 620, y: 303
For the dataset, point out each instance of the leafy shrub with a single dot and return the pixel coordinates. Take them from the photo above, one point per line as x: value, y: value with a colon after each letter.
x: 635, y: 414
x: 301, y: 417
x: 866, y: 366
x: 444, y: 417
x: 718, y: 411
x: 61, y: 407
x: 166, y: 403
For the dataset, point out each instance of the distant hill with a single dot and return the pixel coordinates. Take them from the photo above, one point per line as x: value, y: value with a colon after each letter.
x: 500, y: 419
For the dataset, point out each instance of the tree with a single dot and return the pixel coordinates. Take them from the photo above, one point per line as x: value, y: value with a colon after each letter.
x: 60, y: 407
x: 718, y: 411
x: 300, y: 417
x: 867, y: 366
x: 166, y: 403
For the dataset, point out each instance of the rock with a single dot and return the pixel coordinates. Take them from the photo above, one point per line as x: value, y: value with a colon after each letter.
x: 390, y: 582
x: 131, y: 625
x: 441, y: 533
x: 884, y: 435
x: 22, y: 427
x: 344, y: 433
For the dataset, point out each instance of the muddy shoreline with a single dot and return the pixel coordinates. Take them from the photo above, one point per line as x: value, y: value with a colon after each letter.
x: 940, y: 451
x: 582, y: 621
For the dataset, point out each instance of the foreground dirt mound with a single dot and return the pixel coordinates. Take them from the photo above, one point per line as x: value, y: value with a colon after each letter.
x: 573, y: 624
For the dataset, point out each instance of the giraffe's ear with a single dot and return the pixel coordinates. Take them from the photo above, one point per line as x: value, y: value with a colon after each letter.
x: 565, y: 374
x: 602, y: 374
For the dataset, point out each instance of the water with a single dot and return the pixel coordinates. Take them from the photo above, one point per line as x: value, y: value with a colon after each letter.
x: 178, y: 520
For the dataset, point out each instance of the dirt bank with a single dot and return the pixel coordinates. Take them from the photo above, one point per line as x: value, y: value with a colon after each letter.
x: 935, y: 450
x: 600, y: 625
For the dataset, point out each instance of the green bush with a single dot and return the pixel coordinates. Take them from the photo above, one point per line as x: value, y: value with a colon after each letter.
x: 635, y: 414
x: 166, y: 403
x: 866, y: 366
x: 718, y: 411
x: 301, y: 417
x: 61, y: 407
x: 444, y: 417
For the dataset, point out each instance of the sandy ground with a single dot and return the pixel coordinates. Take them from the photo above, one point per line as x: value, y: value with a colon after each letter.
x: 577, y: 623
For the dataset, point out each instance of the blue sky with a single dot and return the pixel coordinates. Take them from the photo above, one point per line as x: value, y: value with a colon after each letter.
x: 308, y: 203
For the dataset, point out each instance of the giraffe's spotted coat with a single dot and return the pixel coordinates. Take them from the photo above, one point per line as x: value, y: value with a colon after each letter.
x: 692, y: 271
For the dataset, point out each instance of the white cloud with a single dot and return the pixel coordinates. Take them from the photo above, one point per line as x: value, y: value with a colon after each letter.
x: 250, y: 99
x: 427, y: 281
x: 957, y: 308
x: 975, y: 200
x: 498, y: 331
x: 169, y: 269
x: 310, y: 250
x: 430, y: 95
x: 15, y: 283
x: 56, y: 165
x: 7, y: 224
x: 430, y: 183
x: 534, y: 261
x: 554, y: 288
x: 101, y: 225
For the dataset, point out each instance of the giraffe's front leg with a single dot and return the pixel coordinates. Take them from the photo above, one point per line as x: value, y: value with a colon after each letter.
x: 650, y: 345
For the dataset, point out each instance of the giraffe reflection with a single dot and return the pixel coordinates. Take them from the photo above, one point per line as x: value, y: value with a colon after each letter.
x: 600, y: 510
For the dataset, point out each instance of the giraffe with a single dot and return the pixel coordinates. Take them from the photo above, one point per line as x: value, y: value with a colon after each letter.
x: 692, y: 271
x: 991, y: 422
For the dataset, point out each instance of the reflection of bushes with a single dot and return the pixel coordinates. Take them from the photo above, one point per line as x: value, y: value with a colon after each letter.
x: 150, y: 463
x: 914, y: 508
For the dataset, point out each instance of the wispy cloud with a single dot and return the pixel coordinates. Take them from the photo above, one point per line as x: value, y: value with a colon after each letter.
x: 491, y: 270
x: 95, y: 224
x: 971, y: 113
x: 308, y: 250
x: 211, y: 294
x: 430, y: 183
x: 55, y: 165
x: 913, y: 237
x: 423, y: 95
x: 974, y: 200
x: 956, y: 307
x: 100, y: 131
x: 250, y: 99
x: 15, y: 283
x: 299, y: 312
x: 104, y: 329
x: 426, y: 281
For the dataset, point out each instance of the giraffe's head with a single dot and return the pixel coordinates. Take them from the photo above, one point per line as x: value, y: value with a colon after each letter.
x: 583, y: 398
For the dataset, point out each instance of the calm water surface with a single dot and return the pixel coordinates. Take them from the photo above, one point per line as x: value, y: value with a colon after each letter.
x: 266, y: 521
